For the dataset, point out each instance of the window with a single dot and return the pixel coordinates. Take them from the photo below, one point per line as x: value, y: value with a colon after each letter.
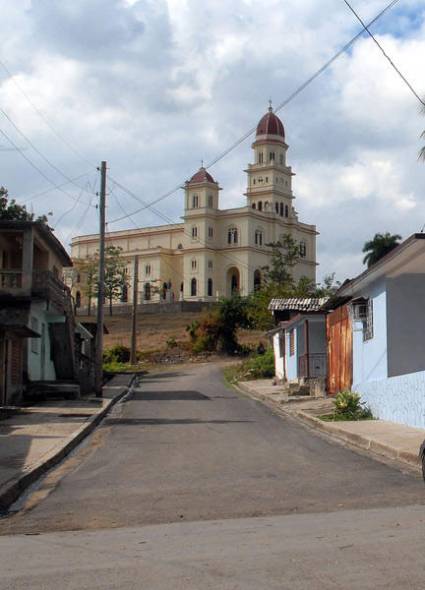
x: 195, y: 201
x: 271, y: 156
x: 78, y: 278
x: 253, y: 182
x: 260, y: 158
x: 232, y: 236
x: 286, y: 211
x: 281, y: 159
x: 361, y: 310
x: 210, y: 232
x: 210, y: 264
x: 35, y: 326
x: 78, y: 299
x: 124, y: 294
x: 258, y: 237
x: 276, y: 206
x: 194, y: 264
x: 291, y: 342
x: 267, y: 178
x: 260, y: 205
x: 281, y: 209
x: 368, y: 322
x: 148, y: 270
x: 194, y: 232
x: 254, y: 206
x: 303, y: 249
x: 210, y: 201
x: 257, y: 280
x: 209, y: 287
x: 147, y: 291
x: 193, y: 287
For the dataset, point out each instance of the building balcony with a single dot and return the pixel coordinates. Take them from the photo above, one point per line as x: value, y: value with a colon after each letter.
x: 41, y: 284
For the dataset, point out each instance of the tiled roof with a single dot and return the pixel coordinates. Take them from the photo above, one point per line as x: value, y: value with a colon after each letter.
x: 201, y: 176
x: 270, y: 124
x: 298, y: 304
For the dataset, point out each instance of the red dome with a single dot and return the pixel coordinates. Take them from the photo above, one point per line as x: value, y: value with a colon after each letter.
x: 201, y: 176
x: 270, y: 124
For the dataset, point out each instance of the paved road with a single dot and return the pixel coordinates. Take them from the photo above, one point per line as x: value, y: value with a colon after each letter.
x: 185, y: 449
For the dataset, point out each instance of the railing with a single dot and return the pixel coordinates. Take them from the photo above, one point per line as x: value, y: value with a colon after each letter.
x: 312, y: 365
x: 46, y: 285
x: 10, y: 280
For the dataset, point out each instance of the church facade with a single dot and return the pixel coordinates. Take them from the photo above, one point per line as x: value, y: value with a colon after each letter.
x: 215, y: 252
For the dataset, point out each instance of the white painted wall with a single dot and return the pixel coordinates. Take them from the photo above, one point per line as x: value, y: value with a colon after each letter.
x: 35, y: 372
x: 279, y: 361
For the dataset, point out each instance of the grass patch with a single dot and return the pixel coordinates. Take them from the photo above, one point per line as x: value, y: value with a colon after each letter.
x: 260, y: 366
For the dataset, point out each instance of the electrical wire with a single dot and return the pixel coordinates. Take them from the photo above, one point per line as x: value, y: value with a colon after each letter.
x: 387, y: 57
x: 49, y: 190
x: 279, y: 107
x: 44, y: 118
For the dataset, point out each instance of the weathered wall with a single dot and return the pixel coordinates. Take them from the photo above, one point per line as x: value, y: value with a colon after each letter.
x: 278, y: 360
x: 406, y: 324
x: 398, y: 399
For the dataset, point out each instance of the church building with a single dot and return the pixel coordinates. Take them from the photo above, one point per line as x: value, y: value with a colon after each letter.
x: 215, y: 252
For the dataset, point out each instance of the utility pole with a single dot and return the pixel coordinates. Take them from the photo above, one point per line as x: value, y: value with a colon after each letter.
x: 101, y: 285
x: 133, y: 353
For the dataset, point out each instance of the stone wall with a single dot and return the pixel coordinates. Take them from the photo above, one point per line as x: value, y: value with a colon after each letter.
x: 398, y: 399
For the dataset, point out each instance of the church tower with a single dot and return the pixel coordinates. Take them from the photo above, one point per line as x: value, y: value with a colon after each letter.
x: 269, y: 178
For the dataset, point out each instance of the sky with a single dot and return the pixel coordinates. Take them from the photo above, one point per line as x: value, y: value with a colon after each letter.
x: 156, y: 86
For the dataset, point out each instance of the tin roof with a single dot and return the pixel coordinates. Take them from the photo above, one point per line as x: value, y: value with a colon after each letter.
x: 298, y: 304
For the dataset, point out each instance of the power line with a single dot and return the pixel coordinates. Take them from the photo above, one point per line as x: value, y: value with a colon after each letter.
x: 44, y: 118
x: 37, y: 168
x: 49, y: 190
x: 35, y: 148
x: 387, y: 57
x: 279, y: 107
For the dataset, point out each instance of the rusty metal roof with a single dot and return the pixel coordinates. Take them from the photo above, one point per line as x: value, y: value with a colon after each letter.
x: 298, y: 304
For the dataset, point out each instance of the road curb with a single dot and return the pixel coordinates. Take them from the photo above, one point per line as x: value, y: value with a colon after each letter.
x: 11, y: 491
x: 331, y: 429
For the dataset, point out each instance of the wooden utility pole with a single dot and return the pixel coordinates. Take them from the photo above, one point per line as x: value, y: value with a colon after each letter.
x: 133, y: 353
x: 101, y: 283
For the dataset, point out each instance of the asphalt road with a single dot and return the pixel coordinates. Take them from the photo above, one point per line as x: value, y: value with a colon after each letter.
x: 185, y: 449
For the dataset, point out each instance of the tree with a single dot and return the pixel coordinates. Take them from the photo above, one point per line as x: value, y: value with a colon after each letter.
x: 284, y: 256
x: 380, y: 245
x: 10, y: 210
x: 116, y: 279
x: 85, y: 272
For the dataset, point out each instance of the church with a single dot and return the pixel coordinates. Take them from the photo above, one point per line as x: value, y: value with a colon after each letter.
x: 215, y: 252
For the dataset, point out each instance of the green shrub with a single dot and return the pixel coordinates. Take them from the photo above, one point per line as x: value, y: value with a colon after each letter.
x: 118, y: 354
x: 349, y: 407
x: 256, y: 367
x: 171, y: 342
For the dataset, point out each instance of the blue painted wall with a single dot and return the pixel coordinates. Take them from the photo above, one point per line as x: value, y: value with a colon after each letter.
x: 370, y: 357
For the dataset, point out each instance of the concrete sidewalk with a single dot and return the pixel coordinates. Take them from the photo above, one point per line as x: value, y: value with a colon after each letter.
x: 33, y: 439
x: 388, y: 439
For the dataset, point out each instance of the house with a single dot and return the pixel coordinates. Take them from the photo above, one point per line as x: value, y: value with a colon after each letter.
x: 36, y: 318
x: 299, y: 340
x: 215, y: 251
x: 384, y: 356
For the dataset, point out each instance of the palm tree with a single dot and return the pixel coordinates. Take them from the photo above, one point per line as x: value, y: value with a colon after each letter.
x: 380, y: 245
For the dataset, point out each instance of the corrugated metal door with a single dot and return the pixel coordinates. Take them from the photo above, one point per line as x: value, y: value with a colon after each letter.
x: 340, y: 350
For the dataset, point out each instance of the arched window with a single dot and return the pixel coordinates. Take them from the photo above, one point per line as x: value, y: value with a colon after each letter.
x: 266, y: 206
x: 77, y: 299
x: 147, y: 292
x: 124, y: 294
x: 260, y: 157
x: 181, y: 287
x: 257, y: 280
x: 303, y: 249
x: 276, y: 206
x: 210, y: 232
x: 209, y: 287
x: 254, y: 206
x: 195, y: 201
x: 194, y: 232
x: 271, y: 156
x: 286, y: 211
x: 258, y: 237
x: 281, y: 159
x: 281, y: 209
x: 210, y: 201
x: 234, y: 283
x: 260, y: 205
x: 147, y: 270
x: 194, y: 264
x: 232, y: 236
x: 193, y: 287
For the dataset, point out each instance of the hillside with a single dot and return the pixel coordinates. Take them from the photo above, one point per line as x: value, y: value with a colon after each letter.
x: 153, y: 330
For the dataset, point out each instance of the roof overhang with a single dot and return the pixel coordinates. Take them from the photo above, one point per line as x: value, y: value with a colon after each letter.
x: 407, y: 258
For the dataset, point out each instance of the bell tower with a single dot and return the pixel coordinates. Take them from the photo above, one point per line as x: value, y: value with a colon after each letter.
x: 269, y: 178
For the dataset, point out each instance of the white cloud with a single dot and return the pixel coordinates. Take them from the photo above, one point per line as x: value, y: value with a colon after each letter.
x: 153, y: 86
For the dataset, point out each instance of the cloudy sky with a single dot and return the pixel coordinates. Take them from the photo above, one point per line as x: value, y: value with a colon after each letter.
x: 154, y: 86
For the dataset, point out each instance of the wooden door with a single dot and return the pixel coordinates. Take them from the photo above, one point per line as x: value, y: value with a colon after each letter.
x: 340, y: 350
